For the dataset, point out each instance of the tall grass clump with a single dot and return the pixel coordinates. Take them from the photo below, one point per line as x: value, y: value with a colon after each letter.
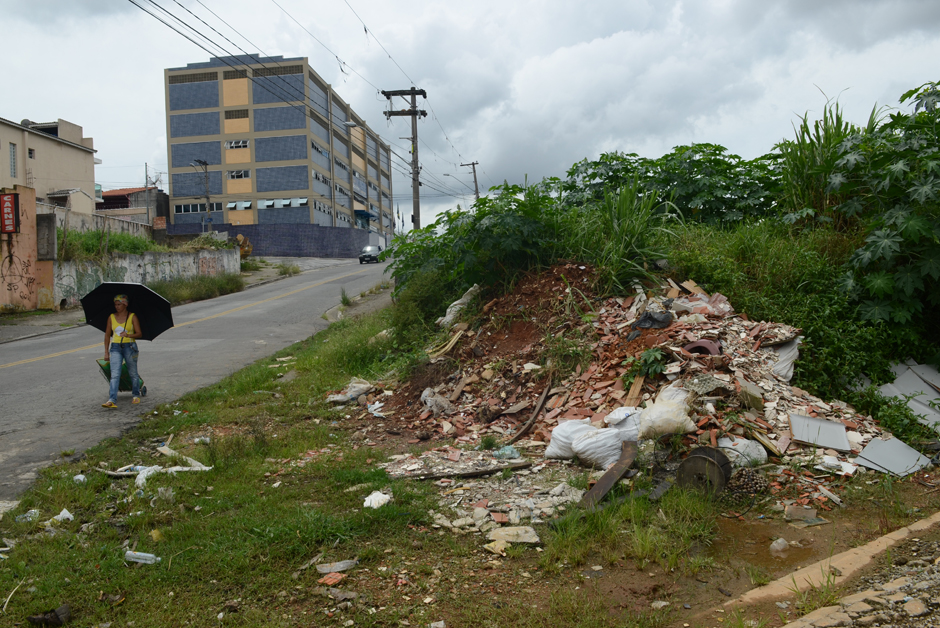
x: 809, y: 159
x: 622, y: 235
x: 417, y: 306
x: 95, y: 245
x: 198, y: 288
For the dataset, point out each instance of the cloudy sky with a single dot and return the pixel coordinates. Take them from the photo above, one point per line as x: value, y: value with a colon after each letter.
x: 523, y: 87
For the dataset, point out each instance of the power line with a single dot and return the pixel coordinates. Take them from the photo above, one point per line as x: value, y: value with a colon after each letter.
x: 342, y: 63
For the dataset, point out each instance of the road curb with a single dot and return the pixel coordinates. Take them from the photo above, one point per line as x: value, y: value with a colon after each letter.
x: 846, y: 565
x: 45, y: 333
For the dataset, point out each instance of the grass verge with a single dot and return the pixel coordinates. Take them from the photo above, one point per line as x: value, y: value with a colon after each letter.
x: 185, y: 289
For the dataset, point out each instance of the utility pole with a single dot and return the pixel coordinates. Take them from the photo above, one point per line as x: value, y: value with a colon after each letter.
x: 147, y: 190
x: 476, y: 188
x: 415, y: 113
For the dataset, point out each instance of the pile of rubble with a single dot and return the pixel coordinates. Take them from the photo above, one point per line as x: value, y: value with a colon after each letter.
x: 733, y: 375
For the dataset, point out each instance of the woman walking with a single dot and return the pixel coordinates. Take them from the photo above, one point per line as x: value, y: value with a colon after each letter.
x: 120, y: 344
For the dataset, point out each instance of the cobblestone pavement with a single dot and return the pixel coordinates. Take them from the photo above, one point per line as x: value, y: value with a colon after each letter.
x: 904, y: 594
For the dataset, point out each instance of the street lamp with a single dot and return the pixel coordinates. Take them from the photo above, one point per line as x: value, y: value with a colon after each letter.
x: 197, y: 164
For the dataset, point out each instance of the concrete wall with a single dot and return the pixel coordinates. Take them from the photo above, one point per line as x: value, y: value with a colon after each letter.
x: 95, y: 222
x: 57, y: 164
x: 21, y: 274
x: 72, y: 280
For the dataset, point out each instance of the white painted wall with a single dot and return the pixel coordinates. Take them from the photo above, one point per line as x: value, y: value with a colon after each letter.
x: 73, y: 280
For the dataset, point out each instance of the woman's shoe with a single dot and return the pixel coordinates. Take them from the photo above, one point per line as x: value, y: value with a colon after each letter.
x: 109, y: 404
x: 136, y: 400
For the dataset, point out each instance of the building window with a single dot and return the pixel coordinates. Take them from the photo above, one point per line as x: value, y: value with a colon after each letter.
x: 195, y: 208
x: 238, y: 174
x: 319, y: 177
x: 228, y: 75
x: 236, y: 144
x: 341, y: 165
x: 12, y: 160
x: 319, y: 149
x: 31, y: 153
x: 236, y: 114
x: 278, y: 71
x: 200, y: 77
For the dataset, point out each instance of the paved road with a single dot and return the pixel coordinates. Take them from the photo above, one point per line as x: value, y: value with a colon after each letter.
x: 51, y: 389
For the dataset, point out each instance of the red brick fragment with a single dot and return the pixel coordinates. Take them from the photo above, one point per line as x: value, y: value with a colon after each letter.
x: 331, y: 579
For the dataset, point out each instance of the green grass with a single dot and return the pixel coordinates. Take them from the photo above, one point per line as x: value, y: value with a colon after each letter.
x: 185, y: 289
x: 344, y: 297
x: 228, y: 533
x: 92, y: 245
x: 250, y: 264
x: 634, y: 529
x: 285, y: 269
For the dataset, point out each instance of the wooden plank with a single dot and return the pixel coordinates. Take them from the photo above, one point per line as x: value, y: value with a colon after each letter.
x: 607, y: 481
x: 454, y: 396
x: 636, y: 392
x: 535, y: 414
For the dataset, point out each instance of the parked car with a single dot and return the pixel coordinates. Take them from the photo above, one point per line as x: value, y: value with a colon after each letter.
x: 370, y: 254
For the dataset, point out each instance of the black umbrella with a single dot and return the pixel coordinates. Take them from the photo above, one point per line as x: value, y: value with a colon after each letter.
x: 152, y: 309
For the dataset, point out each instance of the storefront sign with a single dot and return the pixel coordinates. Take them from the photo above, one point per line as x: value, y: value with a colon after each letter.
x: 9, y: 213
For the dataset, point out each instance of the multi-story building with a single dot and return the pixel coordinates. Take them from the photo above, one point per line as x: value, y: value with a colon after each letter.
x: 51, y: 157
x: 269, y: 142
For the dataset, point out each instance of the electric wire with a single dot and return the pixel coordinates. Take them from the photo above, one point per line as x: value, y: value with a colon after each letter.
x: 220, y: 57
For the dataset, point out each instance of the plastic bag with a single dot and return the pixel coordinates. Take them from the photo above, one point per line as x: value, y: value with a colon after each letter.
x: 376, y: 500
x: 599, y: 448
x: 653, y: 320
x: 665, y: 417
x: 627, y: 420
x: 356, y: 387
x: 559, y: 448
x: 742, y: 452
x: 454, y: 308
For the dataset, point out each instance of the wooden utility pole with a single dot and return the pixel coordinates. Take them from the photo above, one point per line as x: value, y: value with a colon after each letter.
x: 415, y: 113
x: 476, y: 187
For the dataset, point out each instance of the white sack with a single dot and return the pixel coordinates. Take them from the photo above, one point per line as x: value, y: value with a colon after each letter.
x: 599, y: 448
x: 627, y: 420
x: 559, y: 448
x: 665, y: 417
x: 742, y: 452
x: 673, y: 392
x: 787, y: 354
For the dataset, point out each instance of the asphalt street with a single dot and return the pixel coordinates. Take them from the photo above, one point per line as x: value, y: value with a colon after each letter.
x: 51, y: 389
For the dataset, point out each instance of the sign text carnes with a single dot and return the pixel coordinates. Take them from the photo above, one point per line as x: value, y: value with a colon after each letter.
x: 9, y: 213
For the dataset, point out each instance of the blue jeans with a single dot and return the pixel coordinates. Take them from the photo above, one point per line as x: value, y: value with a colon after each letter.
x: 128, y: 353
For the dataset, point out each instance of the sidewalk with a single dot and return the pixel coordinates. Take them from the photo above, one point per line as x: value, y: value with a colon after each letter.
x: 28, y: 324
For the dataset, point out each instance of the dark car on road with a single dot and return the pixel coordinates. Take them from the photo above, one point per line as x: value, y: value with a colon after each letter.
x: 370, y: 254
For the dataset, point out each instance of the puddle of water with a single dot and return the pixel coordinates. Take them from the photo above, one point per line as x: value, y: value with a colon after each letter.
x: 750, y: 542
